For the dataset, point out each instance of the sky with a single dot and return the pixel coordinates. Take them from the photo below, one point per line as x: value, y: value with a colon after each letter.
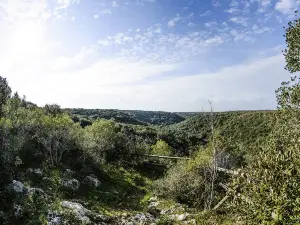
x: 166, y: 55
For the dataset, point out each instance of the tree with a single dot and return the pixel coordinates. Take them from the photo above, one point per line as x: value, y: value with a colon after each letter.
x: 5, y: 92
x: 101, y: 139
x: 56, y: 134
x: 161, y: 148
x: 288, y: 95
x: 53, y: 110
x: 268, y: 190
x: 292, y: 39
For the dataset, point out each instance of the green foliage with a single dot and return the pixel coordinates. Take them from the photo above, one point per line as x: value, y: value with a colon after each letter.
x: 5, y: 92
x: 188, y: 182
x: 292, y: 40
x: 288, y: 95
x: 57, y: 135
x: 101, y: 139
x: 134, y: 117
x: 161, y: 148
x: 267, y: 191
x: 53, y: 110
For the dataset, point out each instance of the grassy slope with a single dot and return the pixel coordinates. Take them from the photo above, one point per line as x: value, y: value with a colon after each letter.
x: 242, y: 130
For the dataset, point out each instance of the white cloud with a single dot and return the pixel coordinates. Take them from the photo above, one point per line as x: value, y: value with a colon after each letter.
x: 172, y: 23
x: 125, y: 70
x: 14, y: 11
x: 206, y: 13
x: 142, y: 2
x: 115, y: 4
x: 190, y: 24
x: 104, y: 43
x: 238, y: 35
x: 116, y: 83
x: 214, y: 40
x: 158, y: 30
x: 239, y: 20
x: 154, y: 45
x: 211, y: 24
x: 180, y: 19
x: 261, y: 30
x: 64, y: 3
x: 234, y: 3
x: 265, y: 3
x: 216, y: 3
x: 106, y: 11
x: 96, y: 16
x: 287, y: 6
x: 233, y: 11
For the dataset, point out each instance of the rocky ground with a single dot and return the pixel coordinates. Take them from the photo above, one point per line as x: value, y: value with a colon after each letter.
x: 60, y: 208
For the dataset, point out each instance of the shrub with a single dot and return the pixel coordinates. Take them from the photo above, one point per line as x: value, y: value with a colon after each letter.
x: 189, y: 182
x: 161, y: 148
x: 101, y: 139
x: 268, y: 190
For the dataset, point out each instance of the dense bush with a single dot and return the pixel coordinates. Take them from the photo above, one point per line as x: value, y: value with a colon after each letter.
x: 190, y: 182
x: 161, y: 148
x: 267, y: 191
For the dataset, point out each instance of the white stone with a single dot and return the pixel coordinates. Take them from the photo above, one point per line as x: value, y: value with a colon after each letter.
x: 36, y: 171
x: 69, y: 173
x: 182, y: 217
x: 92, y: 181
x: 18, y: 210
x: 72, y: 184
x: 53, y: 218
x: 76, y: 207
x: 18, y: 187
x: 153, y: 199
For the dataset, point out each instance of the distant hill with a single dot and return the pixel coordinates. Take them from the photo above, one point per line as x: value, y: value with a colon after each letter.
x: 187, y: 114
x: 155, y: 117
x: 135, y: 117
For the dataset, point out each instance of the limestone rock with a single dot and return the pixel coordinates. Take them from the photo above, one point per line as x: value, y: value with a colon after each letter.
x: 53, y: 218
x: 72, y: 184
x: 18, y: 187
x: 153, y: 210
x: 37, y: 191
x: 92, y: 181
x: 18, y: 211
x: 68, y: 173
x: 78, y: 209
x: 37, y: 172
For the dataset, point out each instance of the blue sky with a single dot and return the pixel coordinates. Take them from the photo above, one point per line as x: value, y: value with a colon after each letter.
x: 171, y: 55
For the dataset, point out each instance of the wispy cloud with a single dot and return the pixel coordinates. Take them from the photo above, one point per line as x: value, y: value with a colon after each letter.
x: 287, y: 6
x: 215, y: 3
x: 261, y: 30
x: 206, y: 13
x: 211, y: 24
x: 105, y: 11
x: 239, y: 20
x: 123, y: 84
x: 142, y: 61
x: 115, y: 4
x: 179, y: 19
